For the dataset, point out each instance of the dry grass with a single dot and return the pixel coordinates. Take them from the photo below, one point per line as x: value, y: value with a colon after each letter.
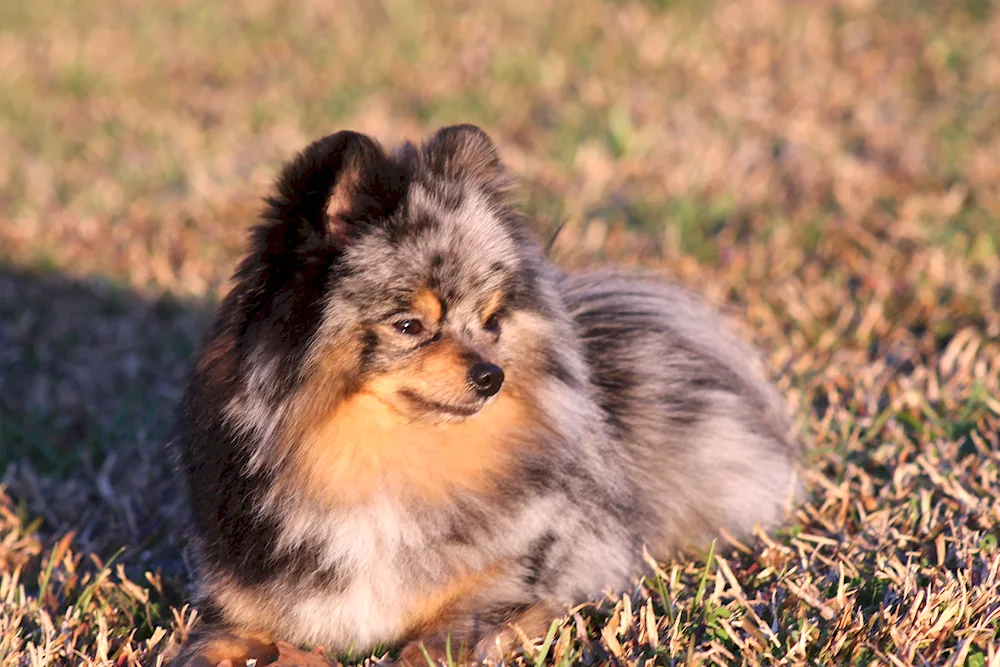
x: 831, y: 170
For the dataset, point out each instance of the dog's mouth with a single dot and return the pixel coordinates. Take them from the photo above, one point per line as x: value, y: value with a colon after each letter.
x: 427, y: 406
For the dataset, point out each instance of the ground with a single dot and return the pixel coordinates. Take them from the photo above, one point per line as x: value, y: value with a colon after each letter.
x: 828, y: 171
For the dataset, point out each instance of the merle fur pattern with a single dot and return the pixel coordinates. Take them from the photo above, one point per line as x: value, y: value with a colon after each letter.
x: 653, y: 426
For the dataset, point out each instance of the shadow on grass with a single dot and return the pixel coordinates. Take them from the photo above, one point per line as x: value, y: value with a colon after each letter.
x: 90, y: 375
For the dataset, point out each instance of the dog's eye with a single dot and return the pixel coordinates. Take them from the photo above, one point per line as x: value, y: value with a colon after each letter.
x: 492, y: 322
x: 409, y: 327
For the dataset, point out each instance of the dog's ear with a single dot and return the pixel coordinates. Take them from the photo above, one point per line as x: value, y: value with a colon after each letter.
x: 466, y: 153
x: 324, y: 198
x: 334, y: 187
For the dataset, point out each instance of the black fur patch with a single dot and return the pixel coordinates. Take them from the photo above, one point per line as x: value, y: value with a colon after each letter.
x: 370, y: 344
x: 537, y: 558
x: 501, y: 615
x: 557, y: 368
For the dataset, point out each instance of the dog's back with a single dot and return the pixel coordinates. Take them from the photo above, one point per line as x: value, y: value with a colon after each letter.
x: 706, y: 437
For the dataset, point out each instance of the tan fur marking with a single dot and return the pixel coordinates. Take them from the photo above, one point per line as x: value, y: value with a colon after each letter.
x: 330, y: 381
x: 431, y: 617
x: 533, y: 623
x: 244, y: 607
x: 342, y: 199
x: 495, y: 645
x: 496, y: 300
x: 367, y: 445
x: 441, y: 369
x: 427, y: 304
x: 432, y: 613
x: 234, y: 647
x: 219, y: 357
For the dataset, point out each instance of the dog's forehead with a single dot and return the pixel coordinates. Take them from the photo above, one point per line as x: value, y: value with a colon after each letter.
x: 463, y: 252
x: 463, y: 240
x: 467, y: 244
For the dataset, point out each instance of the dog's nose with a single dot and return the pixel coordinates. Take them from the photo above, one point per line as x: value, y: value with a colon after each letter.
x: 486, y: 378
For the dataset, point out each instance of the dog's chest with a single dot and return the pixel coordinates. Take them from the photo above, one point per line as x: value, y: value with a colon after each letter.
x: 385, y: 560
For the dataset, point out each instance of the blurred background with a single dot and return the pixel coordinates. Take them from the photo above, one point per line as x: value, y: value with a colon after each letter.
x: 829, y: 169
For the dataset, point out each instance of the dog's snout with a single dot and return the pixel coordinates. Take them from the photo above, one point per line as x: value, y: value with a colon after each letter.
x: 486, y: 378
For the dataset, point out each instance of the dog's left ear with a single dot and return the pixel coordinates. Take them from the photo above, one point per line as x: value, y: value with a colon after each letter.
x: 466, y: 153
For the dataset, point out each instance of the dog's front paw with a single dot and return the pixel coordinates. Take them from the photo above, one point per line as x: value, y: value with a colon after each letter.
x: 289, y: 656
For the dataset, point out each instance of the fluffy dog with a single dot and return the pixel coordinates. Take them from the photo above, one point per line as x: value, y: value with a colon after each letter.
x: 406, y: 427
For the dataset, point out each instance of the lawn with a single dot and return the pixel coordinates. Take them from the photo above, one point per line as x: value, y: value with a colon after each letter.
x: 828, y: 171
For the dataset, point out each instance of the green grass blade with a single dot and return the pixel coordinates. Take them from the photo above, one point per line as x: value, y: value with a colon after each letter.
x: 543, y: 652
x: 704, y: 576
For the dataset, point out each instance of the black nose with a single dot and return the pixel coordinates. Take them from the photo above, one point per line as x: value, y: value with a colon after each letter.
x: 486, y: 378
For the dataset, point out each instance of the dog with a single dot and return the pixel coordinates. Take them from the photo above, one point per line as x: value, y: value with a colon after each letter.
x: 407, y: 428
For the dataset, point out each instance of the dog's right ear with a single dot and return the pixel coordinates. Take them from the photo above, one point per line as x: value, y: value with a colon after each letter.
x: 324, y: 199
x: 334, y: 187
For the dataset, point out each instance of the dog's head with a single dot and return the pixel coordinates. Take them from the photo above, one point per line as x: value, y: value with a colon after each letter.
x: 408, y: 276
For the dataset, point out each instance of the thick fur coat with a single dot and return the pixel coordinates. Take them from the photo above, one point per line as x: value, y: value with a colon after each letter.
x: 407, y: 428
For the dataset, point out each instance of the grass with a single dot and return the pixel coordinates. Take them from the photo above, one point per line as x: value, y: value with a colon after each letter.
x: 828, y: 171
